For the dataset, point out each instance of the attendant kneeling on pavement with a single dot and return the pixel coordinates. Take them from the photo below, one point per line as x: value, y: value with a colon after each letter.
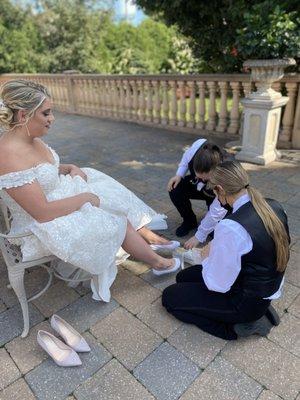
x: 230, y: 294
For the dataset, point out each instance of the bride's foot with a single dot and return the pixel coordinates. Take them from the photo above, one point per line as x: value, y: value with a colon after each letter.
x: 172, y: 245
x: 167, y: 266
x: 152, y: 238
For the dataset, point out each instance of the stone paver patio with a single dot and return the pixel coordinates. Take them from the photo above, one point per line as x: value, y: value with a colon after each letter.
x: 139, y: 352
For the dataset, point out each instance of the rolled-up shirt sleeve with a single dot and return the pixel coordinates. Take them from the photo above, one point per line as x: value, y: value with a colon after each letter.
x: 187, y: 156
x: 222, y: 266
x: 215, y: 214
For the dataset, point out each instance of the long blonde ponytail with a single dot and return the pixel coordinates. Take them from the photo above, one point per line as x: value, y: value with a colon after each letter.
x: 233, y: 178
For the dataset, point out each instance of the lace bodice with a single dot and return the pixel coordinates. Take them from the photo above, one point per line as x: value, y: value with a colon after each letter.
x: 89, y: 238
x: 46, y: 174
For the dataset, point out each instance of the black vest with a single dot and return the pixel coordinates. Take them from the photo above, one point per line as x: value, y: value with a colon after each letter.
x: 258, y: 276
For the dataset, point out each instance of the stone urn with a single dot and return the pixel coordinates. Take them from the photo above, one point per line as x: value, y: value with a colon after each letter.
x: 264, y: 73
x: 262, y: 112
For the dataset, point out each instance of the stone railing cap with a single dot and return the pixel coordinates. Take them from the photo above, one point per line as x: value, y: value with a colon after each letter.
x: 284, y: 62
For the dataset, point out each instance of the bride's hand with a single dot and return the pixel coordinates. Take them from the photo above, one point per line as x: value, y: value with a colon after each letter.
x: 77, y: 171
x: 93, y: 199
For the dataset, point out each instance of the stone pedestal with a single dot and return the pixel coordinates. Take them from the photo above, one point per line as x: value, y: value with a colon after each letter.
x: 262, y: 110
x: 261, y: 126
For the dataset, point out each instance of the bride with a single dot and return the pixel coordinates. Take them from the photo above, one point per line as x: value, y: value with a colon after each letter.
x: 84, y: 217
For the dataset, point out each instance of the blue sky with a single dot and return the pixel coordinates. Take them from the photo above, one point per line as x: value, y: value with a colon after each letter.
x: 134, y: 15
x: 122, y: 9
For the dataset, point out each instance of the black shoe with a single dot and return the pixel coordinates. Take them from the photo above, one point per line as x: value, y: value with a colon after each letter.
x: 261, y: 327
x: 185, y: 228
x: 272, y: 316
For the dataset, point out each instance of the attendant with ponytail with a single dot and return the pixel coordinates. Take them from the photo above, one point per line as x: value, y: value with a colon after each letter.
x: 230, y: 294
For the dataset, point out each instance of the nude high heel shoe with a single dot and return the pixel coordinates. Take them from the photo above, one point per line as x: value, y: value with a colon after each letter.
x: 69, y: 334
x: 61, y: 354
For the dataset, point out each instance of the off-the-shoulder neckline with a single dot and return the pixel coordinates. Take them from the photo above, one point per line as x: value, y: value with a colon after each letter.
x: 54, y: 164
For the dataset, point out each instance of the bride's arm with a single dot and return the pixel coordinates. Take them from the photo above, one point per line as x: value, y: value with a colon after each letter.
x: 71, y: 169
x: 33, y: 200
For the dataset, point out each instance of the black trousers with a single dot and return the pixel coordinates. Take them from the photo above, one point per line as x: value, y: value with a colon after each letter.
x: 181, y: 196
x: 189, y: 300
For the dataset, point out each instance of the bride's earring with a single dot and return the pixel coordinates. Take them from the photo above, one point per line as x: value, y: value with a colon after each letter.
x: 28, y: 133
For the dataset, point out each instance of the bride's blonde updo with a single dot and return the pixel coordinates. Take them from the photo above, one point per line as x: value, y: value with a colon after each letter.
x: 19, y: 95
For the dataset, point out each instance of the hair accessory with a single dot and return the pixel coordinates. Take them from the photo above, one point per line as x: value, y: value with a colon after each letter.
x: 246, y: 186
x: 2, y: 105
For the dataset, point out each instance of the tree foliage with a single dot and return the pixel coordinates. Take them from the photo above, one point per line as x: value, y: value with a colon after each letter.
x: 82, y: 35
x: 216, y: 27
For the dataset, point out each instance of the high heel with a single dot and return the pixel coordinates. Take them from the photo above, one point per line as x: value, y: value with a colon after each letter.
x: 61, y: 354
x: 176, y: 266
x: 69, y: 334
x: 171, y: 246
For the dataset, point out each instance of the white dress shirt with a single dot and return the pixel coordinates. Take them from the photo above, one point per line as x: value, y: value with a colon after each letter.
x: 231, y: 241
x: 216, y: 212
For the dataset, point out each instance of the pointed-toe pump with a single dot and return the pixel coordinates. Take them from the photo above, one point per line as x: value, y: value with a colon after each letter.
x: 62, y: 355
x: 69, y: 334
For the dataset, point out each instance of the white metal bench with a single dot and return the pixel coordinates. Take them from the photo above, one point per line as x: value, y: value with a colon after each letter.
x: 16, y: 267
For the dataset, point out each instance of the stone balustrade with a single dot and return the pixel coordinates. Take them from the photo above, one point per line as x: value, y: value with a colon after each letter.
x: 205, y: 103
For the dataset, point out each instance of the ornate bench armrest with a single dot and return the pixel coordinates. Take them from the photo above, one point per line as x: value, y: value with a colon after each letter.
x: 15, y: 236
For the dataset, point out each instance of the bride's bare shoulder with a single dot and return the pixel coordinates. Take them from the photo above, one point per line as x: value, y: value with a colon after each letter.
x: 12, y: 157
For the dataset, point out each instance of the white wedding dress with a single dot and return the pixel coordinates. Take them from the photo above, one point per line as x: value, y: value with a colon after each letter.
x: 89, y: 239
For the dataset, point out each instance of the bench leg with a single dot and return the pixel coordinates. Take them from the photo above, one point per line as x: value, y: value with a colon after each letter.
x: 16, y: 279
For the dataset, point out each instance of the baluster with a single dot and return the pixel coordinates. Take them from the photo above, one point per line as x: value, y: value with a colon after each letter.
x: 173, y: 120
x: 96, y: 97
x: 202, y: 107
x: 156, y: 118
x: 247, y: 88
x: 86, y: 96
x: 234, y: 113
x: 149, y: 105
x: 223, y: 115
x: 90, y: 96
x: 165, y: 103
x: 182, y: 104
x: 100, y: 97
x: 289, y: 111
x: 212, y: 115
x: 128, y: 100
x: 121, y: 100
x: 118, y: 98
x: 135, y: 102
x: 114, y: 106
x: 110, y: 98
x: 142, y: 104
x: 192, y: 110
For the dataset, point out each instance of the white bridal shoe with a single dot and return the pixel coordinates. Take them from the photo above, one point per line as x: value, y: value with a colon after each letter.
x: 171, y: 246
x: 61, y: 354
x: 69, y: 334
x: 176, y: 266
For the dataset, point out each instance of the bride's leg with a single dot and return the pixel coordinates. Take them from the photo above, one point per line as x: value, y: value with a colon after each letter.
x: 135, y: 245
x: 152, y: 237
